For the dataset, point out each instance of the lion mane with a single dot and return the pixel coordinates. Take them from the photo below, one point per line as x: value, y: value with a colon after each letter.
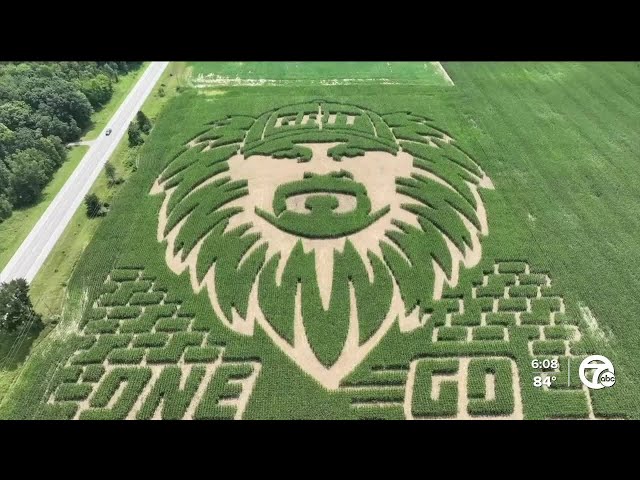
x: 327, y: 328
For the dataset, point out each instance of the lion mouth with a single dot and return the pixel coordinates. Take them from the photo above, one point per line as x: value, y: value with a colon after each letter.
x: 322, y: 206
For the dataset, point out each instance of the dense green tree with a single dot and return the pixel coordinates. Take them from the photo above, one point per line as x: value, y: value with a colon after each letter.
x: 15, y: 114
x: 93, y: 204
x: 112, y: 176
x: 16, y: 310
x: 53, y: 148
x: 7, y: 141
x: 30, y: 170
x: 5, y: 207
x: 143, y: 122
x: 6, y: 180
x: 51, y: 125
x: 98, y: 90
x: 135, y: 134
x: 111, y: 72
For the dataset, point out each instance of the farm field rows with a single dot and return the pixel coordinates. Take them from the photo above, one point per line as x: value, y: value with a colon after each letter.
x: 362, y: 251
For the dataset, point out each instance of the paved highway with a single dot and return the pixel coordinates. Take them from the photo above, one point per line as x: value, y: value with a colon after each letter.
x: 28, y: 259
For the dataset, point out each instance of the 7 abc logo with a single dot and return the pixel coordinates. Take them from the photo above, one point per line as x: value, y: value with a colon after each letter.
x: 603, y: 372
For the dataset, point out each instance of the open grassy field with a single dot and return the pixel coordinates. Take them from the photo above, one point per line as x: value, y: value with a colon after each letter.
x: 363, y: 252
x: 309, y: 73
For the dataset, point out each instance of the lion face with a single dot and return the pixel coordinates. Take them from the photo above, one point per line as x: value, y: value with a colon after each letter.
x: 324, y: 251
x: 321, y: 198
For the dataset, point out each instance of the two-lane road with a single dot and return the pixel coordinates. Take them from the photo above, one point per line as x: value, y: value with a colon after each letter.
x: 28, y: 259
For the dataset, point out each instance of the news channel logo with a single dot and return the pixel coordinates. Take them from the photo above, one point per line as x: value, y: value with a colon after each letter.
x: 603, y: 373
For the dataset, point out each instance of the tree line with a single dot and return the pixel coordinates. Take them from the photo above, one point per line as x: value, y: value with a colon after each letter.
x: 43, y: 106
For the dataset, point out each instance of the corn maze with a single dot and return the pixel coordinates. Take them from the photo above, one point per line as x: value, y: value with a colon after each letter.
x: 340, y: 235
x: 350, y: 255
x: 144, y: 358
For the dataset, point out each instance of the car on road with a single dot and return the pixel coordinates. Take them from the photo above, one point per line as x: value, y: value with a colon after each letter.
x: 108, y: 132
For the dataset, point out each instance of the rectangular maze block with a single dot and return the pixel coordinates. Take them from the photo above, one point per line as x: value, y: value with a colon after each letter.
x: 527, y: 291
x: 559, y: 332
x: 172, y: 352
x: 124, y: 275
x: 126, y: 355
x: 121, y: 313
x: 501, y: 318
x: 146, y: 298
x: 151, y: 340
x: 101, y: 326
x: 535, y: 319
x: 546, y: 305
x: 172, y: 324
x: 533, y: 279
x: 73, y: 392
x: 485, y: 304
x: 548, y: 347
x: 512, y: 304
x: 489, y: 333
x: 512, y: 267
x: 202, y: 354
x: 97, y: 313
x: 451, y: 334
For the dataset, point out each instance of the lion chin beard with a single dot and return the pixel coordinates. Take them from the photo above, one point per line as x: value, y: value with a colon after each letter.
x: 368, y: 240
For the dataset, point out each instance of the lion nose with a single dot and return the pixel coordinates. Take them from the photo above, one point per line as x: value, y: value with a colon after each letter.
x: 321, y: 203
